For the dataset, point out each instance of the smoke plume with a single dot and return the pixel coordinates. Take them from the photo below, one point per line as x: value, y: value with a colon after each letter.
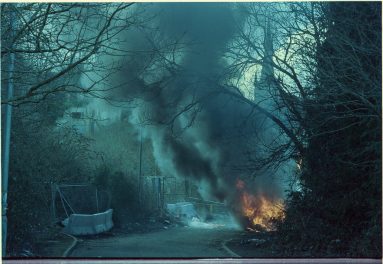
x: 196, y: 131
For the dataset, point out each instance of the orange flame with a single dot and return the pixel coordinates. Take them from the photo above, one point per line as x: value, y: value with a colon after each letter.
x: 260, y: 210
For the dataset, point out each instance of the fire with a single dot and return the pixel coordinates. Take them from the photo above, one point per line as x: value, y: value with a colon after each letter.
x: 259, y: 209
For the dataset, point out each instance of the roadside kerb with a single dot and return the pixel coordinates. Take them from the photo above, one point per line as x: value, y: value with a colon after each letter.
x: 228, y: 250
x: 71, y: 247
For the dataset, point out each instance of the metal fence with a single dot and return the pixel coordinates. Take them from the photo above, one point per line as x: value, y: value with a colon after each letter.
x: 157, y: 191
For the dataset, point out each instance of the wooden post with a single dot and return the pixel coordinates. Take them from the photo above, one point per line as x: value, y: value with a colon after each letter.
x: 53, y: 190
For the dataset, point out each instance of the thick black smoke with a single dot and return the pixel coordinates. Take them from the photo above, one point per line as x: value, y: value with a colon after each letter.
x: 196, y: 130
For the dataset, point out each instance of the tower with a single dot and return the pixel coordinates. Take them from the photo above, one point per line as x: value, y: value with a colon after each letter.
x: 263, y: 88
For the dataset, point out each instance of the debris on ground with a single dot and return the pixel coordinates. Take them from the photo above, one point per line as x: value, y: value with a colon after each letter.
x: 253, y: 241
x: 256, y: 228
x: 196, y: 222
x: 147, y: 224
x: 185, y: 211
x: 253, y: 244
x: 27, y: 253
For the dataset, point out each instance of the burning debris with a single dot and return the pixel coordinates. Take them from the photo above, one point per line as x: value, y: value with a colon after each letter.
x: 259, y: 210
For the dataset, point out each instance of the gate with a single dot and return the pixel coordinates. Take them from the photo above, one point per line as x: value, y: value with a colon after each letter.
x: 152, y: 192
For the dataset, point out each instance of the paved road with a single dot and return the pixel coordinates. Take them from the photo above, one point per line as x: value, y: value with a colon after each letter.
x: 180, y: 242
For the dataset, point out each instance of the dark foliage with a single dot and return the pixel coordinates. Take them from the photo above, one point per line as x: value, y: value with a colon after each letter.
x: 40, y: 155
x: 339, y: 211
x: 123, y: 194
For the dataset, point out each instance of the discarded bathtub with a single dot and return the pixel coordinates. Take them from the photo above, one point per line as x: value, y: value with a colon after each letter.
x: 88, y: 224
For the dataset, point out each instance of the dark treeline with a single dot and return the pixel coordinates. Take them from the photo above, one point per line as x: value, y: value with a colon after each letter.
x: 286, y: 94
x: 340, y: 206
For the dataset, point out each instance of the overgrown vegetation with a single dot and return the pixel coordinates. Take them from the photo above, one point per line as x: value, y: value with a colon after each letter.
x: 44, y: 155
x: 123, y: 194
x: 338, y: 211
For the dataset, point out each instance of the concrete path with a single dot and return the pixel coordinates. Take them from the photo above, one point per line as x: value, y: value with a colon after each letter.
x: 180, y: 242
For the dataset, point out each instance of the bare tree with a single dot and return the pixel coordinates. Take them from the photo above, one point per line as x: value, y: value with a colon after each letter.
x: 327, y: 94
x: 299, y: 30
x: 55, y: 43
